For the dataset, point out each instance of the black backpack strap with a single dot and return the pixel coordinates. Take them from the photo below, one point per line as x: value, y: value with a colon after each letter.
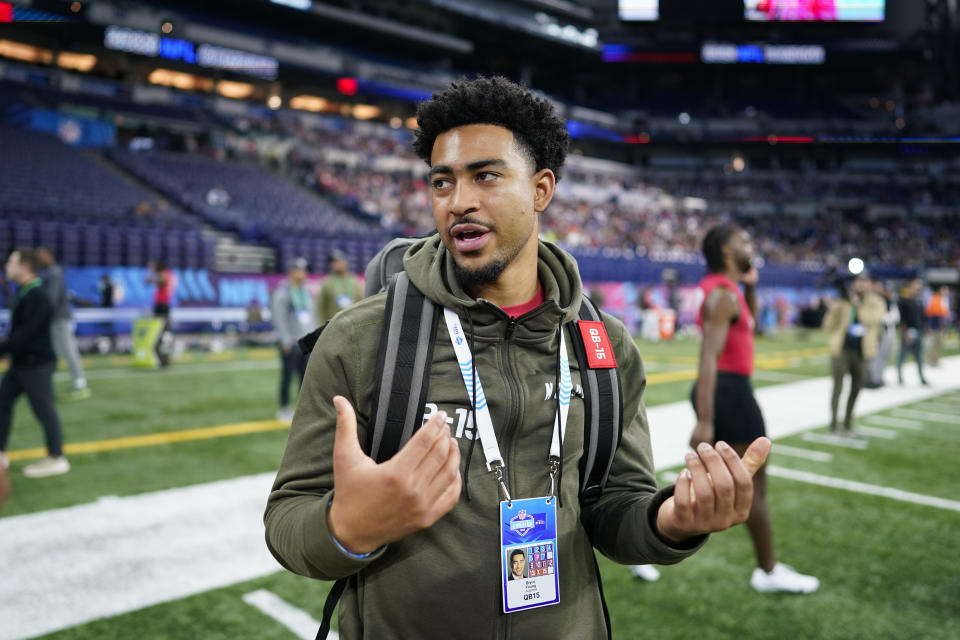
x: 329, y: 605
x: 309, y: 341
x: 603, y: 414
x: 403, y: 367
x: 400, y: 387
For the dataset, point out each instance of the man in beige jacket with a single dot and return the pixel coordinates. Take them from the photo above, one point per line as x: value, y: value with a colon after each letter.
x: 852, y: 324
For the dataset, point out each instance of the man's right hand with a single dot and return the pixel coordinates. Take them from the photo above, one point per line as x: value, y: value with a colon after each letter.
x: 702, y: 432
x: 375, y: 504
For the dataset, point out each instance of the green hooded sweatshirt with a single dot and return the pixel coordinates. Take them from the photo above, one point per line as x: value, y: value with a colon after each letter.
x: 445, y: 581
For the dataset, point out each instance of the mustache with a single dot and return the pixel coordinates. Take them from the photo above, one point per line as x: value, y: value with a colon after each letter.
x: 467, y: 220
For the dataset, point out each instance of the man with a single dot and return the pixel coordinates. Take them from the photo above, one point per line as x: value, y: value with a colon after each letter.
x: 105, y: 289
x: 166, y: 284
x: 62, y: 328
x: 912, y: 327
x: 32, y: 362
x: 518, y: 564
x: 852, y: 325
x: 291, y: 309
x: 495, y: 151
x: 723, y: 397
x: 938, y: 319
x: 340, y: 288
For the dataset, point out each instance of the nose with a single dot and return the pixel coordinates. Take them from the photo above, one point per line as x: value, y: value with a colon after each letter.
x: 464, y: 200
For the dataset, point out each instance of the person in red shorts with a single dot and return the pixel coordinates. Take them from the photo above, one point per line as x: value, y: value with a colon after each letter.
x: 723, y: 396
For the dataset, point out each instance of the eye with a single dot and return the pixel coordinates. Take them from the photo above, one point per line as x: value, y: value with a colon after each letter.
x: 486, y: 176
x: 439, y: 184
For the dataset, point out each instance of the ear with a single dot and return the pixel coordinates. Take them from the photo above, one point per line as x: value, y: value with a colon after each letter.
x: 544, y: 183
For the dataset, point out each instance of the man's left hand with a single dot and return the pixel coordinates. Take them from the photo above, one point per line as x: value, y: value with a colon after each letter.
x: 714, y: 492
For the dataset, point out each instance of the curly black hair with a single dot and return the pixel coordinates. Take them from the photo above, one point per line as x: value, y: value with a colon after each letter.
x: 539, y: 131
x: 714, y: 242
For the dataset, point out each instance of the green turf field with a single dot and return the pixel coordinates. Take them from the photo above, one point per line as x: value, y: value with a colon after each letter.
x: 889, y: 569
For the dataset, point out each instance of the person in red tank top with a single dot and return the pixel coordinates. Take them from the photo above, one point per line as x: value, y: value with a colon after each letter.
x: 723, y: 399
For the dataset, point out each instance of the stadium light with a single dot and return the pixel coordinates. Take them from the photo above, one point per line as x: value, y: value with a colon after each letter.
x: 82, y: 62
x: 235, y: 90
x: 855, y: 266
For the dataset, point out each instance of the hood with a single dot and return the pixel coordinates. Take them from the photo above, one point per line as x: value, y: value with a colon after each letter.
x: 430, y: 268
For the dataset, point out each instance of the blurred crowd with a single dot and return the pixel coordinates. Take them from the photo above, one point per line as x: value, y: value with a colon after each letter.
x: 795, y: 217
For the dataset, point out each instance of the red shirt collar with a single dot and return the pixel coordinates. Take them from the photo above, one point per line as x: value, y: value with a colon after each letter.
x: 518, y: 310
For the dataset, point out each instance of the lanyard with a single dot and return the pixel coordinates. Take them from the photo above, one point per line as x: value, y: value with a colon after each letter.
x: 299, y: 298
x: 484, y: 426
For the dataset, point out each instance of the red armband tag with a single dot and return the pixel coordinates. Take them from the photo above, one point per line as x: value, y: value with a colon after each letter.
x: 597, y: 344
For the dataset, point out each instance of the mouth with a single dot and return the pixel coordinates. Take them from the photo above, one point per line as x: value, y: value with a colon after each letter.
x: 468, y: 237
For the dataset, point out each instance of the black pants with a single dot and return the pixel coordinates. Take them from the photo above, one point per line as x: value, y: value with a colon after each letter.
x: 37, y: 382
x: 913, y: 344
x: 848, y: 362
x: 295, y: 361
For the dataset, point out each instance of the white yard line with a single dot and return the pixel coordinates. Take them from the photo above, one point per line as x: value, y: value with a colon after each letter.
x: 861, y: 487
x: 837, y: 441
x: 797, y: 452
x: 899, y: 423
x: 927, y: 415
x: 953, y: 410
x: 296, y: 620
x: 874, y: 432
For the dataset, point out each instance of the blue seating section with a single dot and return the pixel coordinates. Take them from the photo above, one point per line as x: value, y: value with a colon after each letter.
x: 69, y: 200
x: 84, y: 244
x: 262, y: 207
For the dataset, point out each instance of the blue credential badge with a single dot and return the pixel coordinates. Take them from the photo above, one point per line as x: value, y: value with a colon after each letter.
x: 528, y: 550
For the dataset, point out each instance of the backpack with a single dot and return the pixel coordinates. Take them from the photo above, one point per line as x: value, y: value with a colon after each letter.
x: 401, y: 383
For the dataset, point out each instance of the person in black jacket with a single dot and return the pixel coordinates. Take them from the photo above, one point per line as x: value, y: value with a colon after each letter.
x: 32, y: 362
x: 912, y: 326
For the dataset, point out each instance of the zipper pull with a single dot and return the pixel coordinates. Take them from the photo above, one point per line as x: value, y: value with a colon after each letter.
x: 554, y: 466
x: 498, y: 472
x: 511, y: 325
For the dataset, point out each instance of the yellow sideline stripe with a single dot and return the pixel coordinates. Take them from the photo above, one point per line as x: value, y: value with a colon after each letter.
x: 153, y: 439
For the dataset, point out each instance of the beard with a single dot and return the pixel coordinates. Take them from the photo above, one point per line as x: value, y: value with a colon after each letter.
x: 470, y: 279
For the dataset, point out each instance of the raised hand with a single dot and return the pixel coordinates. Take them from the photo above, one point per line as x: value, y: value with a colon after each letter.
x: 714, y: 492
x: 374, y: 504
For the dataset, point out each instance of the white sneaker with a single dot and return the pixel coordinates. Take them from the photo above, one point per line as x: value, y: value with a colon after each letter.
x: 783, y: 579
x: 645, y: 572
x: 4, y: 461
x: 49, y: 466
x: 285, y: 415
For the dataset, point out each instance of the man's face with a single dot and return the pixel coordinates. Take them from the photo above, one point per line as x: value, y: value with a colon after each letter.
x: 741, y: 247
x: 297, y: 276
x: 486, y: 199
x: 517, y: 563
x: 339, y: 266
x: 12, y: 269
x: 861, y: 285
